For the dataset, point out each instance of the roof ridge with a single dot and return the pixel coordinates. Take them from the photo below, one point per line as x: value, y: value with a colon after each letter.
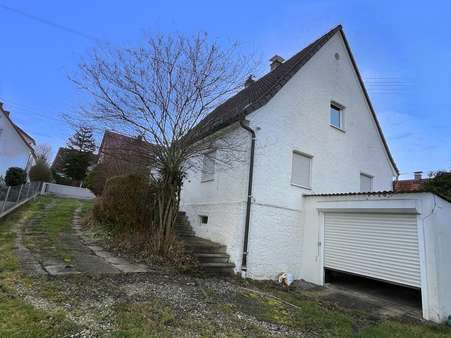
x: 260, y: 92
x: 319, y: 41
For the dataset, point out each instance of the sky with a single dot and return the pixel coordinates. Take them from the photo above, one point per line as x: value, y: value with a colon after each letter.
x: 402, y: 48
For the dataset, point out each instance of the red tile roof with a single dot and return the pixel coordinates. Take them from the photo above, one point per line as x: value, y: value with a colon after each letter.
x: 120, y: 147
x: 409, y: 185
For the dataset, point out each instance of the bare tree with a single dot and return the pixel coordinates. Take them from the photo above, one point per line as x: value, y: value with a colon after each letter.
x: 161, y: 91
x: 43, y: 152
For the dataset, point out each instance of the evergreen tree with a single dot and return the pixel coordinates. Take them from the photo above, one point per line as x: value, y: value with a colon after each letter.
x: 77, y: 159
x: 82, y: 140
x: 15, y: 176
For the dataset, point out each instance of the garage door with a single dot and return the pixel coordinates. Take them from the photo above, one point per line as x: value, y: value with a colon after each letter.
x: 382, y: 246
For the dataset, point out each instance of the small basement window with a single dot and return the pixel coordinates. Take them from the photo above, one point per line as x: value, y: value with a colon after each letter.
x: 336, y: 115
x: 203, y: 219
x: 301, y: 170
x: 208, y: 166
x: 366, y: 182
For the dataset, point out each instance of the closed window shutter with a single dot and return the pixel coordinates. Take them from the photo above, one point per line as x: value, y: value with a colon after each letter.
x: 208, y: 168
x: 366, y: 183
x: 300, y: 173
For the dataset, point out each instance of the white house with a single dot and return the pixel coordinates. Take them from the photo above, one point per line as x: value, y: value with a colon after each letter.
x: 307, y: 199
x: 16, y: 146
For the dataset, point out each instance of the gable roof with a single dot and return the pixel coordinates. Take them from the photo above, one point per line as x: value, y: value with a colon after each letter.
x: 27, y: 136
x: 22, y: 134
x: 118, y: 147
x: 262, y: 90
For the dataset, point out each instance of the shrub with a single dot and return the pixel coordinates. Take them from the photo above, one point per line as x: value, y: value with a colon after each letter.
x: 440, y: 183
x: 96, y: 179
x: 15, y: 176
x: 40, y: 172
x: 126, y: 203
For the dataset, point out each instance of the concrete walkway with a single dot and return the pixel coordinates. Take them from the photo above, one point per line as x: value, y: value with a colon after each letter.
x: 39, y: 255
x: 118, y: 263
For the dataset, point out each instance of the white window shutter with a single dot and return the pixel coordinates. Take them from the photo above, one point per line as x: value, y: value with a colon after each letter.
x: 301, y: 170
x: 366, y: 183
x: 208, y: 166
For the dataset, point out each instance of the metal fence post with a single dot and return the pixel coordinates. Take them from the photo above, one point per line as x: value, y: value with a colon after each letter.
x: 20, y: 191
x: 28, y: 190
x: 6, y: 199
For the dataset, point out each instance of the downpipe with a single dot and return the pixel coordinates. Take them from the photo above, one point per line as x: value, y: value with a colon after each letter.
x: 243, y: 124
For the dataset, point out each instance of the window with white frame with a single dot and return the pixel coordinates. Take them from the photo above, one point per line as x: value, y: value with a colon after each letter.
x: 366, y: 182
x: 208, y: 166
x: 301, y: 170
x: 336, y: 115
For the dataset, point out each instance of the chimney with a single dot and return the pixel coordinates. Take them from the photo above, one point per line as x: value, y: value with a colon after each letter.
x: 276, y: 61
x: 417, y: 175
x: 249, y: 81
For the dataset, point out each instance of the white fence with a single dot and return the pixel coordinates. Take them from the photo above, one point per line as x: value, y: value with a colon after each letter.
x: 13, y: 197
x: 67, y: 191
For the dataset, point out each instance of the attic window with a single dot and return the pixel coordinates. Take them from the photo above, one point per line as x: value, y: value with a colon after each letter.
x: 203, y: 219
x: 336, y: 116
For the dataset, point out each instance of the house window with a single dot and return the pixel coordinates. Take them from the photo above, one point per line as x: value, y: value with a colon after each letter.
x: 301, y: 170
x: 208, y: 166
x: 203, y: 219
x: 366, y: 183
x: 336, y: 116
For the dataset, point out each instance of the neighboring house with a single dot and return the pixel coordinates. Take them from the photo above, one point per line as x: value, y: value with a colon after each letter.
x: 417, y: 184
x: 316, y: 193
x: 16, y: 146
x: 124, y: 154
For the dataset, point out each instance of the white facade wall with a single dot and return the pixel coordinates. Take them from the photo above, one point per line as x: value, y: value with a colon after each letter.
x: 434, y: 236
x: 295, y: 119
x: 13, y: 150
x: 436, y: 221
x: 223, y: 199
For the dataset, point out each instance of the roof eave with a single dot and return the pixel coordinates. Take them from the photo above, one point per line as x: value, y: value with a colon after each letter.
x: 365, y: 92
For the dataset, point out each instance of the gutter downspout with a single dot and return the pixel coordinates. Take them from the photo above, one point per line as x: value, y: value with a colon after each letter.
x: 249, y: 195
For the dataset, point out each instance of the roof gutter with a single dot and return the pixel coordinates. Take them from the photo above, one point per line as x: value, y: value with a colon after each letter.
x: 249, y: 194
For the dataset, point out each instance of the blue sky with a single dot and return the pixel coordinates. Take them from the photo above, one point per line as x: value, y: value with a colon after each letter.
x: 403, y: 51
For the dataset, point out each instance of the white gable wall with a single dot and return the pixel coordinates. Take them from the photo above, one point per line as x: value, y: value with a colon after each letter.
x: 297, y: 119
x: 13, y: 150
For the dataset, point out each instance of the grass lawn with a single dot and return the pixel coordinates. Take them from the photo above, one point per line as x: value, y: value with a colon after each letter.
x: 156, y: 304
x: 17, y: 318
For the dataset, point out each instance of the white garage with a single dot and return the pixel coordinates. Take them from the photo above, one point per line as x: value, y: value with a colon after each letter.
x: 382, y: 246
x: 399, y: 238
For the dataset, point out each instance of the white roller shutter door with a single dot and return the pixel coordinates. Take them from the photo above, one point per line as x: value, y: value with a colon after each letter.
x: 381, y: 246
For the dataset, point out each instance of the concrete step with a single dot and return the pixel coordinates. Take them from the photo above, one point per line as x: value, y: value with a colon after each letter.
x: 212, y: 257
x: 195, y: 246
x: 185, y: 235
x: 225, y: 269
x: 183, y: 228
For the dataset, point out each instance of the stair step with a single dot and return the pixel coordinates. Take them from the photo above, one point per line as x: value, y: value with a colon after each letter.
x: 212, y: 257
x: 218, y: 268
x: 205, y: 249
x: 185, y: 235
